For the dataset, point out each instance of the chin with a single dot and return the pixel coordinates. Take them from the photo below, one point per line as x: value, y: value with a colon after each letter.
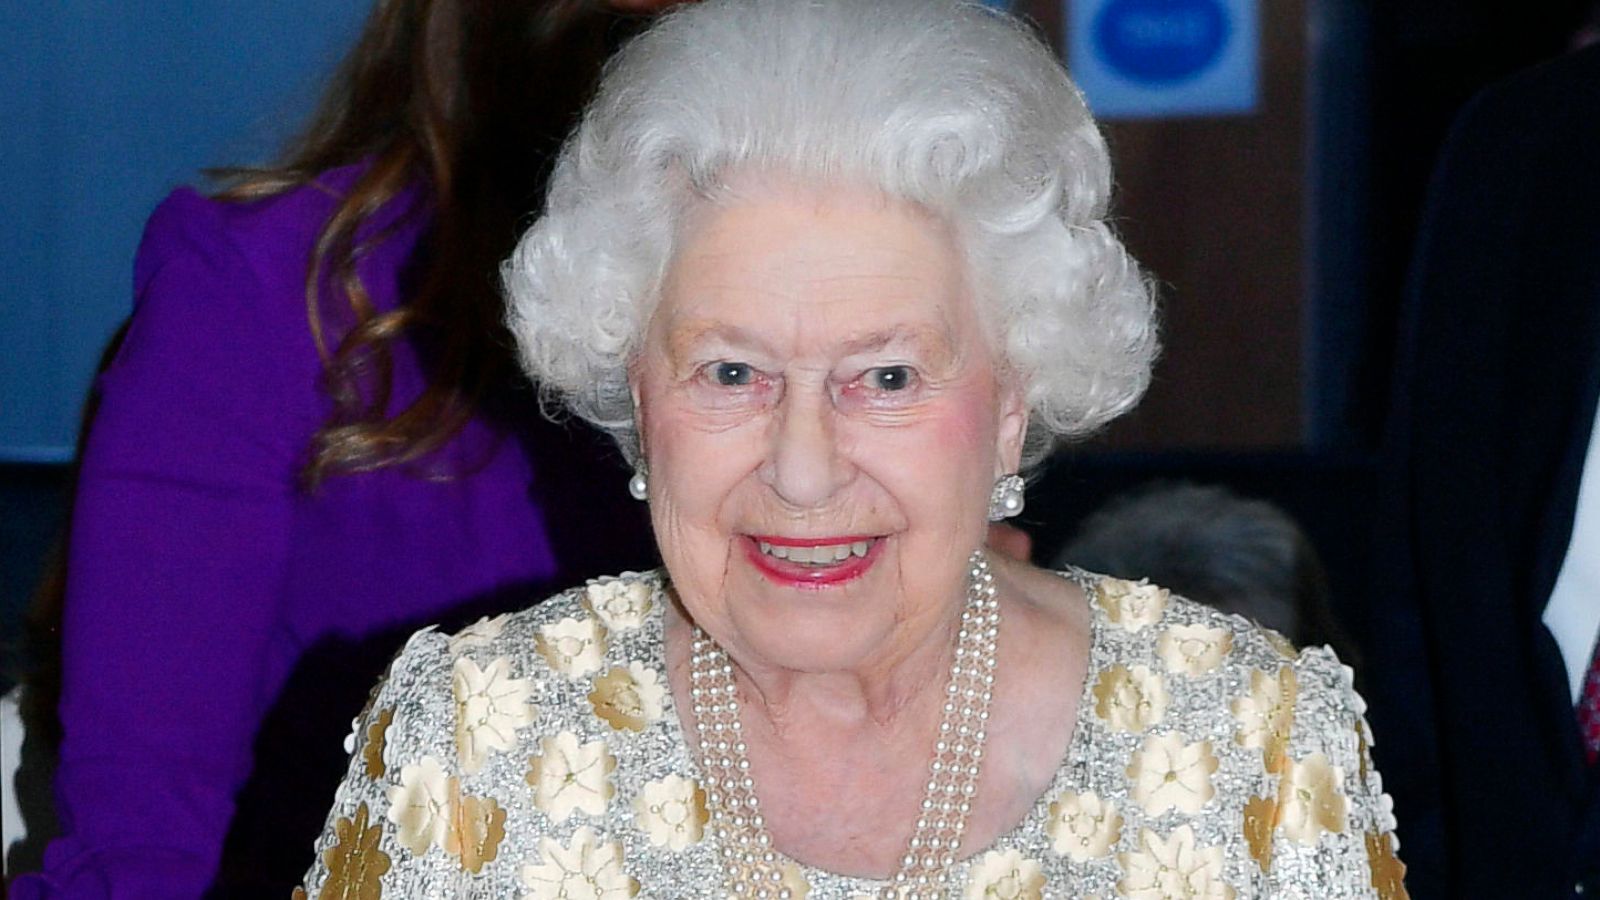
x: 802, y: 643
x: 796, y: 620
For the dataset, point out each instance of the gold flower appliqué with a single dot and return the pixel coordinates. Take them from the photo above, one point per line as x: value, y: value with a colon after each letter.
x: 1168, y: 773
x: 574, y: 647
x: 1083, y: 826
x: 1260, y: 818
x: 1266, y: 715
x: 1193, y: 650
x: 1310, y: 800
x: 568, y: 776
x: 1131, y: 604
x: 1388, y: 872
x: 672, y: 812
x: 1130, y: 699
x: 476, y: 830
x: 490, y: 707
x: 1005, y: 875
x: 629, y: 699
x: 586, y: 867
x: 1173, y: 868
x: 372, y: 753
x: 620, y: 603
x: 355, y: 864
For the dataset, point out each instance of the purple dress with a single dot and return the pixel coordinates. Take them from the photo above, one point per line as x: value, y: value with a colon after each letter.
x: 223, y: 624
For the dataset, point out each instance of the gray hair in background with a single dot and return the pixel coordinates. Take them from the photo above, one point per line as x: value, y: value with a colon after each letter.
x: 943, y: 103
x: 1210, y: 545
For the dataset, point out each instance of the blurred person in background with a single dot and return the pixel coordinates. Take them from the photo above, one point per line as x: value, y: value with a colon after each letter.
x: 1487, y: 676
x: 1210, y: 545
x: 311, y: 439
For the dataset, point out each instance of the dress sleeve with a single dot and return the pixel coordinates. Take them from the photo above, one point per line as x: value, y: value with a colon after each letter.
x: 395, y: 826
x: 1332, y: 826
x: 179, y: 540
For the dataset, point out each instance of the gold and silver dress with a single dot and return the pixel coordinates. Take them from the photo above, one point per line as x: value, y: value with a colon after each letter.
x: 539, y: 755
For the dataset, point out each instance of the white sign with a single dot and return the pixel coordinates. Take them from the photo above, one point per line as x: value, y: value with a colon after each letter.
x: 1165, y: 58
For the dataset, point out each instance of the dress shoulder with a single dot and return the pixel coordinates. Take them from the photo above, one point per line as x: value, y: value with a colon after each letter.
x: 610, y: 606
x: 271, y: 239
x: 1224, y: 746
x: 479, y: 746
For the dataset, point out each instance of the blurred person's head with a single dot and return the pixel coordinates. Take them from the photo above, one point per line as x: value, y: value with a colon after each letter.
x: 1207, y: 543
x: 1587, y: 34
x: 466, y: 102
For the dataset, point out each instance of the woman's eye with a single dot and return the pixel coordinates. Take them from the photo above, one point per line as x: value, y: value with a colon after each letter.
x: 890, y: 378
x: 732, y: 374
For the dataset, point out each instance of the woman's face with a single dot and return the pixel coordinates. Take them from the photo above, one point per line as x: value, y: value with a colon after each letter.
x: 823, y: 420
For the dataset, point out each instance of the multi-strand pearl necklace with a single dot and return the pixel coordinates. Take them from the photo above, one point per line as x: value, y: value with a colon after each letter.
x: 750, y: 865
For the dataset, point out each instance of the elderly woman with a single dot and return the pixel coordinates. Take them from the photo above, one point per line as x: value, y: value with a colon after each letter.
x: 832, y: 273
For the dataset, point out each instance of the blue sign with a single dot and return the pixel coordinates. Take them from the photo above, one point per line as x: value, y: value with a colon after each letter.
x: 1160, y: 42
x: 1149, y: 58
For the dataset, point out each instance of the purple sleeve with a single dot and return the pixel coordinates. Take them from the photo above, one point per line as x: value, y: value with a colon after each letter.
x: 179, y: 539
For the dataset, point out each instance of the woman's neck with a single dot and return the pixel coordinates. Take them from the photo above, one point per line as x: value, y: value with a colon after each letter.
x: 851, y: 748
x: 890, y: 694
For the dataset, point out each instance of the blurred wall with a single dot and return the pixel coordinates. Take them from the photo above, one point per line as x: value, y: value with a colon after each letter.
x: 1215, y: 207
x: 105, y: 105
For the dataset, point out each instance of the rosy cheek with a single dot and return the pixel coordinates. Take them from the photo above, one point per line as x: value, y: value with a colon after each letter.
x: 966, y: 421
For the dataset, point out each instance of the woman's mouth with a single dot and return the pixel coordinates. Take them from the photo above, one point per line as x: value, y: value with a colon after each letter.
x: 812, y: 562
x: 820, y: 555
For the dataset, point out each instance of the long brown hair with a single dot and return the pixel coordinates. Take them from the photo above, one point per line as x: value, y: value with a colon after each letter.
x: 468, y: 100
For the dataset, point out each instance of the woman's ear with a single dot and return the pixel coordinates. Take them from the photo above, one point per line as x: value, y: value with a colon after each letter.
x: 1013, y: 428
x: 638, y: 411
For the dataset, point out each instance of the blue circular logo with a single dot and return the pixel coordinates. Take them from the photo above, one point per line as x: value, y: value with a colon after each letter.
x: 1161, y: 42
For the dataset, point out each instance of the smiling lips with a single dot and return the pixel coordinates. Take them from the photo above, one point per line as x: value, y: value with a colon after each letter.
x: 812, y: 562
x: 821, y: 554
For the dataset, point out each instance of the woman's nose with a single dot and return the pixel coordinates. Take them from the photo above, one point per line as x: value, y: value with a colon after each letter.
x: 805, y: 466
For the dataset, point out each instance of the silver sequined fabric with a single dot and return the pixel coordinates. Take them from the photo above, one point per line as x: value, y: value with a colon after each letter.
x: 540, y: 755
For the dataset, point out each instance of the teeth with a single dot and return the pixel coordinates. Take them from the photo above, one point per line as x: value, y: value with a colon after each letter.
x: 828, y: 553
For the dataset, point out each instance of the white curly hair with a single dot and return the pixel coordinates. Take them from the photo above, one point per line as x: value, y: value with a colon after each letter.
x: 943, y: 103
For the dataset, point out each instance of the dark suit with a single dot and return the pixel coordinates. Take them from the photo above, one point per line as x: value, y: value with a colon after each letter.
x: 1499, y: 375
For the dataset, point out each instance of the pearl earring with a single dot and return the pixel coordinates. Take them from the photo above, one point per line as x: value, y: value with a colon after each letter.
x: 1007, y: 499
x: 639, y: 484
